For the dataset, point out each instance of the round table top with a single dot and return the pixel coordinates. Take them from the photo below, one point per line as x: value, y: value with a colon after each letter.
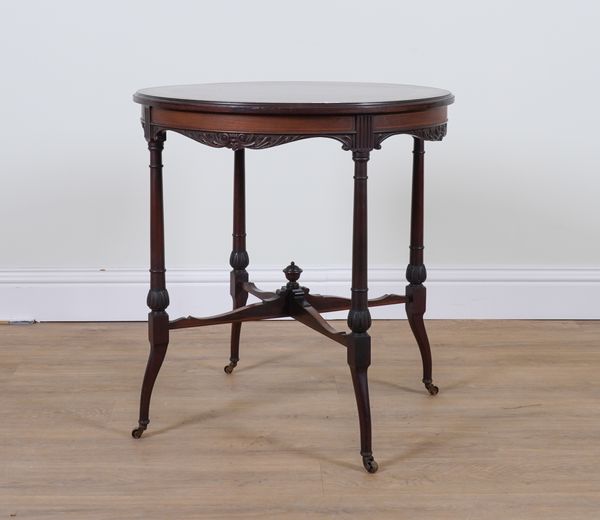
x: 295, y: 97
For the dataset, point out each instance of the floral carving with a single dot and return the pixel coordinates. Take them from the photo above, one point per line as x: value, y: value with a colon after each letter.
x: 432, y: 133
x: 237, y: 141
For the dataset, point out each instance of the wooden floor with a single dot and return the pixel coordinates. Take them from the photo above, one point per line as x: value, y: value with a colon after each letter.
x: 514, y: 433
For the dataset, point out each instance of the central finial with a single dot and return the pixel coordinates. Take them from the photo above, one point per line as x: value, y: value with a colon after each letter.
x: 292, y: 273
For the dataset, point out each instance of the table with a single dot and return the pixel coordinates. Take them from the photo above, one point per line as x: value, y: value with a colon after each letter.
x: 259, y: 115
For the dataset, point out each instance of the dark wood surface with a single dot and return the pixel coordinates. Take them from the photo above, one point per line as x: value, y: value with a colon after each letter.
x: 294, y: 97
x: 261, y: 115
x: 240, y: 115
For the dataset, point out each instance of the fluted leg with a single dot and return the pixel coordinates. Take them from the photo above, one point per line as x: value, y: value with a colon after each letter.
x: 238, y: 259
x: 158, y: 297
x: 416, y: 273
x: 359, y: 318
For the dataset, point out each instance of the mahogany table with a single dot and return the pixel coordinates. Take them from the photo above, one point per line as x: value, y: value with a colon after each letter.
x: 261, y: 115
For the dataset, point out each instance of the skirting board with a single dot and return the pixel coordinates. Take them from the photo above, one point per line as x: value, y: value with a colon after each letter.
x: 453, y: 292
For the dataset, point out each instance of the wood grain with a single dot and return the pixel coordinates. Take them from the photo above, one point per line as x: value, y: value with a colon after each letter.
x: 513, y: 433
x: 252, y: 123
x: 424, y: 118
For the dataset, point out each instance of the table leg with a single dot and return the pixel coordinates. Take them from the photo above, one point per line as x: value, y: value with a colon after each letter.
x: 158, y: 297
x: 416, y: 272
x: 238, y: 259
x: 359, y: 318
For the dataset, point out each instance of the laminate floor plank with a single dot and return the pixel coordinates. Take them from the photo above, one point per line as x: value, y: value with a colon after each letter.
x: 514, y: 433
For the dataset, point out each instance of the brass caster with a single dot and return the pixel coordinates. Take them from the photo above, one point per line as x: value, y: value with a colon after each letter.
x: 137, y: 432
x: 229, y: 368
x: 369, y: 463
x: 431, y: 388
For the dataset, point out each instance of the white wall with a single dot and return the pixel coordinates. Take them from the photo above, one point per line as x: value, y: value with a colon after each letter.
x: 514, y: 185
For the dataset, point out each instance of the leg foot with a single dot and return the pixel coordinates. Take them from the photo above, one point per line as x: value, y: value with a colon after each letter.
x: 359, y: 359
x: 369, y: 463
x: 239, y: 300
x: 229, y: 368
x: 137, y: 432
x: 415, y: 308
x: 431, y: 388
x: 158, y: 323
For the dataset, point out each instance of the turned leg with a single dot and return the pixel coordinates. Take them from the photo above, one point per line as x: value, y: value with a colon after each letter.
x: 158, y: 297
x: 416, y: 272
x: 359, y: 318
x: 239, y: 256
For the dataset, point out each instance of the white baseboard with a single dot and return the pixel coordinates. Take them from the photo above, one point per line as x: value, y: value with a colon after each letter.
x: 453, y: 293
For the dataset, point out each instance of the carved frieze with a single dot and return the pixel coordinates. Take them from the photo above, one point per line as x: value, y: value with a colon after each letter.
x: 364, y: 140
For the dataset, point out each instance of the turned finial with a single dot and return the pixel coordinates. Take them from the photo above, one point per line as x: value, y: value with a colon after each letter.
x: 292, y: 273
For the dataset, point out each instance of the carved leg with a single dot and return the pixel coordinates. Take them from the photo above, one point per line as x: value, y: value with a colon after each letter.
x: 158, y: 324
x: 359, y: 359
x: 239, y: 256
x: 158, y: 297
x: 416, y: 272
x: 359, y: 318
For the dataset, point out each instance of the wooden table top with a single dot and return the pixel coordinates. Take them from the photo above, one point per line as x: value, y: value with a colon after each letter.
x: 295, y: 97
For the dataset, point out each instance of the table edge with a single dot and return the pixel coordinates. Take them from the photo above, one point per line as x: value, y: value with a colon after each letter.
x: 381, y: 107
